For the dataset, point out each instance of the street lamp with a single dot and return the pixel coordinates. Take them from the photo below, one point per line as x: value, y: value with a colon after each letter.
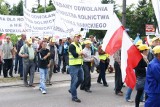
x: 124, y: 13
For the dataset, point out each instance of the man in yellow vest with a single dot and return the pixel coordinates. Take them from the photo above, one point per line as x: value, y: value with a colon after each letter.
x: 75, y: 66
x: 103, y: 66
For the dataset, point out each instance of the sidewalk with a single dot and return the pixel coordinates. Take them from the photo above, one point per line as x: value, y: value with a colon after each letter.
x: 57, y: 77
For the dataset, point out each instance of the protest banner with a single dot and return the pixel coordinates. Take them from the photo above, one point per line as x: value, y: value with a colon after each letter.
x: 12, y: 24
x: 95, y: 16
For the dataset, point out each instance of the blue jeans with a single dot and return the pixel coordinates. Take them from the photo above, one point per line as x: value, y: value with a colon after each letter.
x: 19, y: 61
x: 77, y: 77
x: 128, y: 94
x: 43, y: 75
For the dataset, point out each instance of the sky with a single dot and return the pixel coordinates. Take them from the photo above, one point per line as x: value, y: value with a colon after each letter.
x: 31, y: 2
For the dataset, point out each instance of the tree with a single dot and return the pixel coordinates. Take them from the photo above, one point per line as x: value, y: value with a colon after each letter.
x: 20, y: 8
x: 4, y: 10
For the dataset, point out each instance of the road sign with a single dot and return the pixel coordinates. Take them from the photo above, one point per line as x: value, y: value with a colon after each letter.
x: 150, y: 30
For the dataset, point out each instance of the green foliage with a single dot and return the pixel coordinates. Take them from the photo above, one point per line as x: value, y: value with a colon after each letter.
x: 4, y: 10
x: 137, y: 18
x: 14, y: 38
x: 20, y: 8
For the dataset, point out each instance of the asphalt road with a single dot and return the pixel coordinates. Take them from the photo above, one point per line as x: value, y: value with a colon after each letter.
x: 58, y: 96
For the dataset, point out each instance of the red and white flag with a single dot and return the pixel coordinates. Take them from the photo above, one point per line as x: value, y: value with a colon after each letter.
x: 130, y: 57
x: 116, y: 38
x: 113, y: 39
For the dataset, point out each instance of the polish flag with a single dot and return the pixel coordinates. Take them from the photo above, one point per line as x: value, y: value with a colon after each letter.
x: 116, y: 38
x: 113, y: 39
x: 130, y: 57
x: 2, y: 36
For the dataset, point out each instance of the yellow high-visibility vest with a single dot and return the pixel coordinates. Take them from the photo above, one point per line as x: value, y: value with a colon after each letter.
x: 76, y: 61
x: 103, y: 57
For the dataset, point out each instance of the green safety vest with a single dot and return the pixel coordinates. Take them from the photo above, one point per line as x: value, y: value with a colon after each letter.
x: 103, y: 57
x: 76, y: 61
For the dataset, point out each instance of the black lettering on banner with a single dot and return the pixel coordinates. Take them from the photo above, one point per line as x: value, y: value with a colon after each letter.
x: 11, y: 25
x: 2, y: 18
x: 44, y: 22
x: 83, y: 8
x: 93, y: 17
x: 92, y: 25
x: 69, y: 22
x: 66, y: 13
x: 67, y: 6
x: 43, y: 28
x: 20, y: 19
x: 1, y: 30
x: 43, y: 16
x: 11, y: 19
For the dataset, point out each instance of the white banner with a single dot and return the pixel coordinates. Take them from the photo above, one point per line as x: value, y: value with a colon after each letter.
x: 156, y: 6
x: 12, y: 24
x: 95, y: 16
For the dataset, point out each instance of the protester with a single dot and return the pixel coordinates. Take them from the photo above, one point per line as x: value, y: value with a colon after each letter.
x: 155, y: 42
x: 152, y: 85
x: 28, y: 54
x: 87, y: 62
x: 53, y: 59
x: 44, y: 64
x: 140, y: 72
x: 18, y: 59
x: 60, y: 54
x: 7, y: 53
x: 102, y: 66
x: 65, y: 56
x: 75, y: 67
x: 118, y: 74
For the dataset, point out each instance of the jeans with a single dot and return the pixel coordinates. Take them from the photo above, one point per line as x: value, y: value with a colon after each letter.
x: 77, y: 77
x: 43, y: 75
x: 19, y: 61
x: 128, y: 94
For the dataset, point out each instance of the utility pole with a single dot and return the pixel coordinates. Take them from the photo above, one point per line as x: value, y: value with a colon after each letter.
x: 124, y: 13
x: 45, y: 6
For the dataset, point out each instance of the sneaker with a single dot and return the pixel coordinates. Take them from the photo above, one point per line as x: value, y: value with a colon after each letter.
x: 76, y: 100
x: 129, y: 100
x: 44, y: 92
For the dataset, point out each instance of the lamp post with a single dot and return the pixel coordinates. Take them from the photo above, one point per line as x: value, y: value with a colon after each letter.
x: 124, y: 13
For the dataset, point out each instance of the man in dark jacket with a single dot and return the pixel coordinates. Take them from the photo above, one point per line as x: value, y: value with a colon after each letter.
x: 18, y: 59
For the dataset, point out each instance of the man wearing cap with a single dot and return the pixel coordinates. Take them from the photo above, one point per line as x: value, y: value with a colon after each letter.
x: 18, y: 59
x: 75, y: 66
x: 87, y: 61
x: 140, y: 71
x: 7, y: 53
x: 152, y: 84
x: 27, y: 52
x: 53, y: 59
x: 155, y: 42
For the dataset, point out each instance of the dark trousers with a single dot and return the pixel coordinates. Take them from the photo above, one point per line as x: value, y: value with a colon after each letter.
x: 59, y: 61
x: 65, y: 62
x: 86, y: 84
x: 102, y: 72
x: 8, y: 65
x: 19, y: 65
x: 138, y: 97
x: 118, y: 78
x: 29, y: 68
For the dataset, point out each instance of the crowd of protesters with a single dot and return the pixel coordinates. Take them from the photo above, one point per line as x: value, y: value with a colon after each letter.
x: 79, y: 58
